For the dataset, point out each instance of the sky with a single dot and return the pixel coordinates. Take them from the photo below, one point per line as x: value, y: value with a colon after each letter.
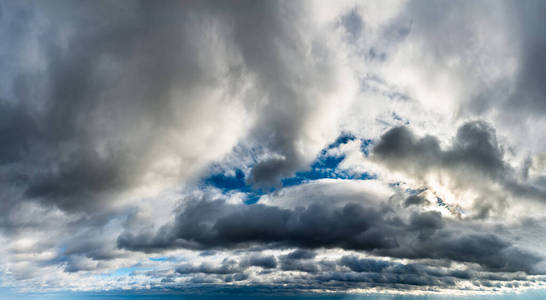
x: 231, y: 149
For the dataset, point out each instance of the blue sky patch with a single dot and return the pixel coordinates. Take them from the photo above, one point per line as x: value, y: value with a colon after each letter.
x: 162, y: 258
x: 234, y: 183
x: 365, y: 146
x: 324, y: 166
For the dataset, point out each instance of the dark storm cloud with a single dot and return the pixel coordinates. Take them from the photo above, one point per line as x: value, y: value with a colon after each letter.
x: 299, y: 260
x: 363, y: 264
x: 115, y: 88
x: 102, y: 100
x: 488, y: 250
x: 377, y: 272
x: 68, y: 170
x: 474, y: 154
x: 228, y: 270
x: 228, y: 266
x: 374, y: 272
x: 301, y: 254
x: 263, y: 261
x: 352, y: 271
x: 79, y: 182
x: 216, y: 224
x: 475, y: 146
x: 17, y: 129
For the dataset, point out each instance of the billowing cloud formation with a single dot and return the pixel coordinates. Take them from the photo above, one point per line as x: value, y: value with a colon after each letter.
x: 160, y: 81
x: 214, y: 224
x: 474, y: 161
x: 272, y: 145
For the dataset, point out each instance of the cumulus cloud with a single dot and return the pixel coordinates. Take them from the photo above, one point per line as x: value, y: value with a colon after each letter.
x: 474, y: 161
x: 387, y: 145
x: 152, y: 82
x: 215, y: 224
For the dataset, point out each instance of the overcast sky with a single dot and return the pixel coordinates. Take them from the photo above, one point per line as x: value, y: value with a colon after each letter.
x: 271, y: 147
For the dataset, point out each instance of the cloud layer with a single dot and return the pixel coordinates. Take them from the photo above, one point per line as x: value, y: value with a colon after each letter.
x: 272, y: 145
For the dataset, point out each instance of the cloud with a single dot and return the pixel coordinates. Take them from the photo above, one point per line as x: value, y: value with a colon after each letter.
x: 111, y: 99
x: 206, y: 132
x: 91, y: 92
x: 299, y: 260
x: 415, y: 200
x: 99, y: 120
x: 363, y: 265
x: 344, y: 271
x: 227, y: 267
x: 215, y: 224
x: 266, y: 262
x: 474, y: 160
x: 474, y: 147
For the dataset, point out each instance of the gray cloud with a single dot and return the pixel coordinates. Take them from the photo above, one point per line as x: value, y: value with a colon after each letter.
x: 474, y: 158
x: 216, y: 224
x: 415, y: 200
x: 110, y: 112
x: 363, y: 265
x: 348, y: 272
x: 529, y: 94
x: 299, y: 260
x: 474, y: 147
x: 266, y: 262
x: 227, y: 267
x: 492, y: 76
x: 111, y: 98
